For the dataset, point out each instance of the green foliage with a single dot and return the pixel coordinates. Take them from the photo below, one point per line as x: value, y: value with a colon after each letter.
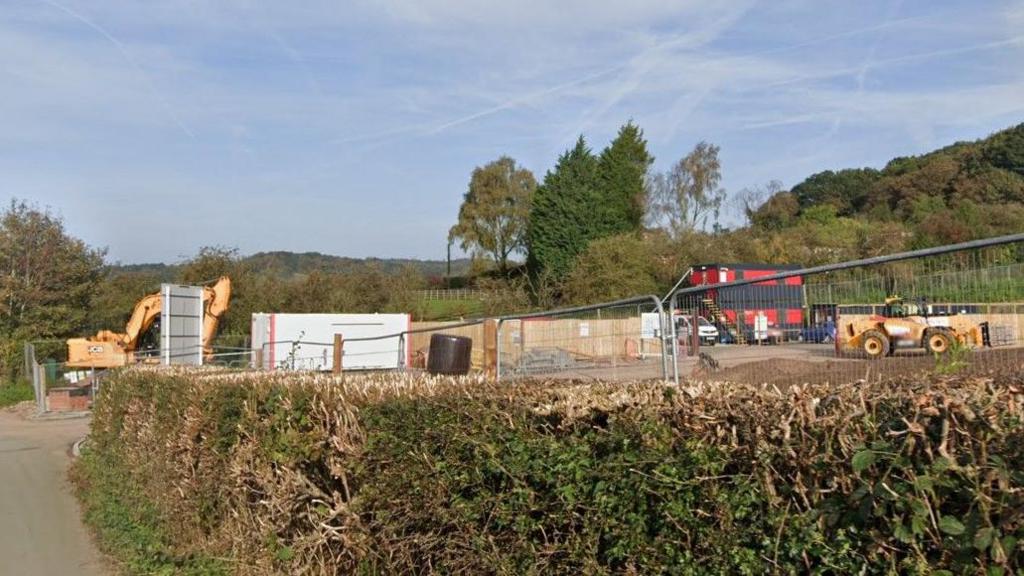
x: 47, y: 279
x: 448, y: 309
x: 396, y: 475
x: 116, y: 296
x: 611, y: 268
x: 494, y: 212
x: 15, y: 392
x: 847, y: 191
x: 961, y: 192
x: 955, y: 360
x: 622, y: 175
x: 1005, y: 150
x: 562, y: 219
x: 127, y: 523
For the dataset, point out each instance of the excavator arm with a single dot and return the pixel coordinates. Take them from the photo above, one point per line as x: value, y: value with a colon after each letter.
x: 215, y: 304
x: 109, y: 349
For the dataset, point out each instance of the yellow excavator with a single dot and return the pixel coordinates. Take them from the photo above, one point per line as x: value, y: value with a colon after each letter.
x: 109, y: 349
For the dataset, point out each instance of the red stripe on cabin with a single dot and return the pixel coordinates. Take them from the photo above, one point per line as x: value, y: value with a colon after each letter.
x: 273, y: 345
x: 752, y: 274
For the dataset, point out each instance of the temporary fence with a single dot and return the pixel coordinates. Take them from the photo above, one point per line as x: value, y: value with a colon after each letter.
x: 620, y: 340
x: 402, y: 350
x: 954, y: 309
x: 59, y: 386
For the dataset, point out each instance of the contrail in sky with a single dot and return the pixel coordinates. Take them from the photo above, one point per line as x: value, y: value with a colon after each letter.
x: 124, y: 53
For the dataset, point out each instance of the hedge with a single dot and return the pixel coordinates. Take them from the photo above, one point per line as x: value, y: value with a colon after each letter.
x: 255, y: 474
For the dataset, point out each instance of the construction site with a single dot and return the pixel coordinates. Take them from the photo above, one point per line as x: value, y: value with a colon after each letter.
x: 956, y: 308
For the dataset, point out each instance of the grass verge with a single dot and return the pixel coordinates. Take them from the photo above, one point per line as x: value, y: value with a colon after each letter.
x: 11, y: 394
x: 127, y: 525
x: 432, y: 310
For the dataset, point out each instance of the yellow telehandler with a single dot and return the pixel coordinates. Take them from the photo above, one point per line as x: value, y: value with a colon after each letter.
x: 906, y: 325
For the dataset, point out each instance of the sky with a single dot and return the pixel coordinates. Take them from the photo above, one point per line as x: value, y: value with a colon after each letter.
x: 351, y: 127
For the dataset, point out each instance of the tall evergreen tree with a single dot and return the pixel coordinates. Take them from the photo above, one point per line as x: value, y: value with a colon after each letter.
x: 562, y: 218
x: 622, y: 171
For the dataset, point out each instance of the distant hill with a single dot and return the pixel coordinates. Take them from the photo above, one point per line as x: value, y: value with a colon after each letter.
x: 960, y: 192
x: 288, y: 265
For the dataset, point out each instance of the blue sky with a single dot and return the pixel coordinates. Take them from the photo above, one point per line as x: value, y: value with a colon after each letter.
x: 351, y: 128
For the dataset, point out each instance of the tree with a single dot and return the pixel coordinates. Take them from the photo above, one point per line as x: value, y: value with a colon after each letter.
x: 116, y: 296
x: 848, y: 190
x: 561, y: 218
x: 1006, y: 149
x: 622, y: 181
x: 611, y: 268
x: 779, y: 211
x: 495, y: 210
x: 251, y: 290
x: 688, y: 195
x: 47, y: 279
x: 209, y: 264
x: 750, y: 200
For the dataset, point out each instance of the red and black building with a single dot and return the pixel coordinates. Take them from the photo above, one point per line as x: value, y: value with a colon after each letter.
x: 781, y: 301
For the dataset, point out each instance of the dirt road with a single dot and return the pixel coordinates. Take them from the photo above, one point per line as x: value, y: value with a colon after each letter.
x: 41, y: 533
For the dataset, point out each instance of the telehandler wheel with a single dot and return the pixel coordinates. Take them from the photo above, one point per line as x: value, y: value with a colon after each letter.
x: 876, y: 344
x: 938, y: 341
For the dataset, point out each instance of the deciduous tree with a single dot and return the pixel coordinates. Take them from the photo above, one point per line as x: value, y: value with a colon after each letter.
x: 688, y: 195
x: 47, y: 279
x: 494, y: 212
x: 611, y: 268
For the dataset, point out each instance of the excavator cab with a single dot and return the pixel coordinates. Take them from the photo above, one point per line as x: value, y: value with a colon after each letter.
x: 896, y: 307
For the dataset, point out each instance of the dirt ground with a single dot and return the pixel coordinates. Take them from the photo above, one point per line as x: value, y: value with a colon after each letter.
x: 41, y: 532
x: 783, y: 369
x: 789, y: 364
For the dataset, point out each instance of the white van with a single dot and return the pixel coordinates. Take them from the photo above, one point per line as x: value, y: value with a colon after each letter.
x: 705, y: 330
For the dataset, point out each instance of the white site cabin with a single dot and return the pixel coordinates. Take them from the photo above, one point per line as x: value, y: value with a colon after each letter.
x: 306, y: 341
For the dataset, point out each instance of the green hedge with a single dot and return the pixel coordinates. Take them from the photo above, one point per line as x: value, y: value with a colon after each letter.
x: 405, y: 475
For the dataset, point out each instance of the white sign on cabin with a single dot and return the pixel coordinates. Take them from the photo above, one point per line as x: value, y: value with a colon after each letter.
x: 650, y: 325
x: 760, y: 326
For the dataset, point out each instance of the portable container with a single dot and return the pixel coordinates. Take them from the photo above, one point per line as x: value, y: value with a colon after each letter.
x: 306, y: 341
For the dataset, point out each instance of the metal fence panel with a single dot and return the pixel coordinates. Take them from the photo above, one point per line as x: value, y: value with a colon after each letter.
x: 955, y: 309
x: 623, y: 340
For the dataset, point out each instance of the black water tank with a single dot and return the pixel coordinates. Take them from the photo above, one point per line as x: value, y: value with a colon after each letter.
x: 449, y: 354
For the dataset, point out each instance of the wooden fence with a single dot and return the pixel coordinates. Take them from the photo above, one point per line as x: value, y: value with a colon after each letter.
x: 599, y: 340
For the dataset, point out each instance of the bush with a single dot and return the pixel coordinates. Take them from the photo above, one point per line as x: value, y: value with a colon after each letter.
x: 11, y: 394
x: 397, y: 474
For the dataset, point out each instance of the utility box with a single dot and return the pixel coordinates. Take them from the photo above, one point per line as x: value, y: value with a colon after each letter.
x: 306, y: 341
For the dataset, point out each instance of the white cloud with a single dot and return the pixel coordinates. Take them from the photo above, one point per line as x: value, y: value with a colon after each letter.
x: 347, y: 108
